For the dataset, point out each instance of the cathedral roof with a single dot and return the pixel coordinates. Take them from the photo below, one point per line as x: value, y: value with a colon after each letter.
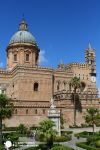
x: 23, y: 35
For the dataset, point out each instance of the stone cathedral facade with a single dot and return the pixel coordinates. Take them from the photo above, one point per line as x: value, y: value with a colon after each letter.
x: 31, y: 86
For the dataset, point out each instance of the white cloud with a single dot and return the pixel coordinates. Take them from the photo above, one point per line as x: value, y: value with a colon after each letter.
x: 1, y: 64
x: 42, y: 58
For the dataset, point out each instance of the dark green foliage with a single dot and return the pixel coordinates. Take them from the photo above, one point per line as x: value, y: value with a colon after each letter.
x: 85, y: 146
x: 84, y: 134
x: 62, y: 138
x: 54, y: 147
x: 92, y: 139
x: 61, y: 147
x: 46, y: 131
x: 22, y: 129
x: 1, y: 147
x: 12, y: 136
x: 92, y: 116
x: 6, y: 107
x: 10, y: 128
x: 32, y: 148
x: 97, y: 143
x: 6, y: 111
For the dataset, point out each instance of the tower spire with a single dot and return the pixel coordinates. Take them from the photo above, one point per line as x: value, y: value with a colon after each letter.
x: 89, y: 46
x: 23, y: 25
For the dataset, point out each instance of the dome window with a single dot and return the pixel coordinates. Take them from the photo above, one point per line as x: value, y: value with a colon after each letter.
x: 27, y: 57
x: 15, y: 57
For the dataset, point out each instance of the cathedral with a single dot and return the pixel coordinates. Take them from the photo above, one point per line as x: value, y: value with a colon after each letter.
x: 31, y: 86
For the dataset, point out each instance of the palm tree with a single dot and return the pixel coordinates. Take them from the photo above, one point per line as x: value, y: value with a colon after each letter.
x: 46, y: 131
x: 6, y: 110
x: 75, y: 84
x: 92, y: 117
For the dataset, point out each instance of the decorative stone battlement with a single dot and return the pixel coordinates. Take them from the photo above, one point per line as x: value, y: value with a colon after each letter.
x: 74, y: 64
x: 30, y: 104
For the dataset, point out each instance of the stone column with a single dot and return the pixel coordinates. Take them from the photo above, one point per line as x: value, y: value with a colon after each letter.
x: 54, y: 115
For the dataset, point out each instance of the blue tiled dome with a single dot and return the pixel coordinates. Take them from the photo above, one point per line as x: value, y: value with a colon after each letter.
x: 22, y: 37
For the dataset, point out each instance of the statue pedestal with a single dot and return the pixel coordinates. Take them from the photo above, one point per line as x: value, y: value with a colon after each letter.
x: 54, y: 115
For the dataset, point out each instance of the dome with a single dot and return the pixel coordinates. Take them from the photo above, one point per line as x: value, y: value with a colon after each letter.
x: 23, y: 35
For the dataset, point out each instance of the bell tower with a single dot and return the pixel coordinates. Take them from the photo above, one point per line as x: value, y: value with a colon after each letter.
x: 90, y: 59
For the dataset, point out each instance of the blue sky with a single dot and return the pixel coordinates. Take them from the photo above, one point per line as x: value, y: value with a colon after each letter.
x: 62, y: 28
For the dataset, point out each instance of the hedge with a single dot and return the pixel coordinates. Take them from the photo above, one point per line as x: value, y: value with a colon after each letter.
x: 31, y: 148
x: 55, y: 147
x: 66, y: 132
x: 1, y: 147
x: 61, y: 147
x: 83, y: 145
x: 62, y: 138
x: 84, y: 134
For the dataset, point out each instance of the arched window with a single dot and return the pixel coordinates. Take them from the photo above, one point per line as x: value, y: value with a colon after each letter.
x: 15, y: 111
x: 26, y: 111
x: 64, y: 85
x: 58, y: 86
x: 15, y: 57
x: 36, y: 86
x: 83, y: 85
x: 35, y: 111
x: 43, y: 111
x: 27, y: 57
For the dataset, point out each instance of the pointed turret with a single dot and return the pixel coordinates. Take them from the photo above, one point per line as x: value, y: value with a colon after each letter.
x: 89, y: 46
x: 61, y: 65
x: 23, y: 25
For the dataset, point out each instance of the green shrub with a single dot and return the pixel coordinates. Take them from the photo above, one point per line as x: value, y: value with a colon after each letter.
x: 61, y: 147
x: 62, y: 138
x: 31, y: 148
x: 44, y: 147
x: 92, y: 139
x: 87, y: 147
x: 22, y: 129
x: 10, y: 129
x: 63, y: 133
x: 84, y: 134
x: 40, y: 147
x: 1, y: 147
x: 97, y: 143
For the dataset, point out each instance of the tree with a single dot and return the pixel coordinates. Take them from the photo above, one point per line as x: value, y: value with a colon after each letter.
x: 6, y: 111
x: 22, y: 129
x: 92, y: 117
x: 47, y: 132
x: 76, y: 84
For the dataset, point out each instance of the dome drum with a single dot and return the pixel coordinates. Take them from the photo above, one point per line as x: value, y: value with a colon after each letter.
x: 21, y: 42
